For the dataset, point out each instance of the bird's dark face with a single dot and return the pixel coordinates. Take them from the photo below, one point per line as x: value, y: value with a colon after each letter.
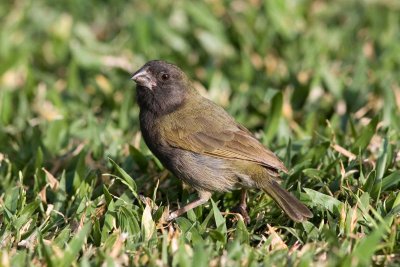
x: 161, y: 87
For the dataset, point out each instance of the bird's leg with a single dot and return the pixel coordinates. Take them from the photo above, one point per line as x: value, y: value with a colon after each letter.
x: 242, y: 207
x: 203, y: 198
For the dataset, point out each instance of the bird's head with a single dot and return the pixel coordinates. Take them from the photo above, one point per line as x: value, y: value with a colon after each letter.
x: 161, y: 86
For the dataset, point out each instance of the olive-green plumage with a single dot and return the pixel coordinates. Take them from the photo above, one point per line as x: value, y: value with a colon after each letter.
x: 202, y: 144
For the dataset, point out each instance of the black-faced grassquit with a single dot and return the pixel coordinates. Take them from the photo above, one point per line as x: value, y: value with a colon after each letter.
x: 200, y: 143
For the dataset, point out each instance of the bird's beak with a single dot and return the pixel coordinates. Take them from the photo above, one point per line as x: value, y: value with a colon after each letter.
x: 143, y: 78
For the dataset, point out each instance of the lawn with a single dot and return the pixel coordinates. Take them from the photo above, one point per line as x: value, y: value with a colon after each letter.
x: 318, y: 82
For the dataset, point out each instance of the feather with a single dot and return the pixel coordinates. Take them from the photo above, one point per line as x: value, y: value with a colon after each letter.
x: 215, y: 134
x: 296, y: 210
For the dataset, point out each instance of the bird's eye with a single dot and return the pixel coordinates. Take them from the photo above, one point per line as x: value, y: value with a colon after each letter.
x: 165, y: 76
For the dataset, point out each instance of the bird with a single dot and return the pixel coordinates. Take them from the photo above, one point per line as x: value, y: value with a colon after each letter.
x: 201, y: 144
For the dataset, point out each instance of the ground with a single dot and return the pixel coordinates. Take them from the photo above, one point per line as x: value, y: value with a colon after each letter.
x: 316, y: 81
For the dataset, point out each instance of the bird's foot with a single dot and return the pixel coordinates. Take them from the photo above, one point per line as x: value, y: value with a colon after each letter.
x: 167, y: 216
x: 172, y: 216
x: 242, y: 210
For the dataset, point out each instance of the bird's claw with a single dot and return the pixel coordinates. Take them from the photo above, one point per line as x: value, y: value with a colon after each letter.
x: 243, y: 211
x: 171, y: 216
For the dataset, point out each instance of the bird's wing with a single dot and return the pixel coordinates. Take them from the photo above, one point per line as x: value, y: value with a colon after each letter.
x: 212, y: 131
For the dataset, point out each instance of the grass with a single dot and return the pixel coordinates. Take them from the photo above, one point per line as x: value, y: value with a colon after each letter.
x: 317, y: 81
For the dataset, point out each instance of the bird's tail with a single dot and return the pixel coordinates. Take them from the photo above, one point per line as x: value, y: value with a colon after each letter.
x: 296, y: 210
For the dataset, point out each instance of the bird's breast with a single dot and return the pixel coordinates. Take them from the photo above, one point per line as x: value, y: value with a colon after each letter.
x: 151, y: 132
